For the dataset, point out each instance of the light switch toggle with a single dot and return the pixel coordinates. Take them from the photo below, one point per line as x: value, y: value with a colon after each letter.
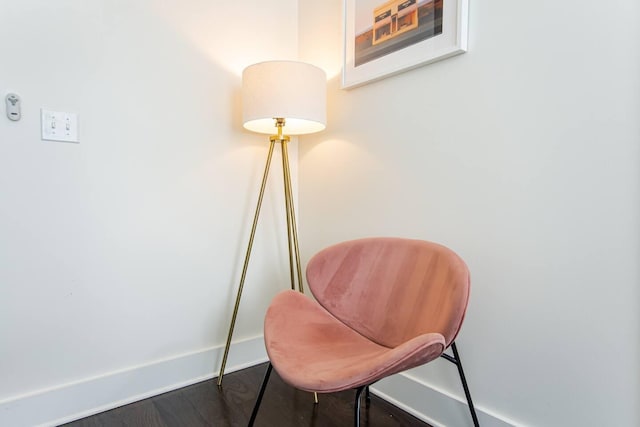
x: 59, y: 126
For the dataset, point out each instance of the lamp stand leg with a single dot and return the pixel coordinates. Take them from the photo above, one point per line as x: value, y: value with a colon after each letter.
x: 292, y: 231
x: 246, y: 262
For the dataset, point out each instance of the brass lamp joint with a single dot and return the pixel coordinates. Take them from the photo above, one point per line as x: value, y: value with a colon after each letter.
x: 280, y: 122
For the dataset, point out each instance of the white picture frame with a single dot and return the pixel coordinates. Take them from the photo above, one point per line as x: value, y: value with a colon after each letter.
x: 393, y: 36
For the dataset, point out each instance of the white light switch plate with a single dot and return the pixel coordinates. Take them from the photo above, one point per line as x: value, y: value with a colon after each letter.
x: 59, y: 126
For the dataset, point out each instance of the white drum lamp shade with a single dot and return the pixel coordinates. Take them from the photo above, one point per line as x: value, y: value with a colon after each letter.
x: 290, y: 90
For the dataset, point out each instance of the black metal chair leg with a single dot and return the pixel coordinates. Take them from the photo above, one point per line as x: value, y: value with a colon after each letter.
x: 467, y: 393
x: 357, y: 405
x: 260, y: 394
x: 367, y: 396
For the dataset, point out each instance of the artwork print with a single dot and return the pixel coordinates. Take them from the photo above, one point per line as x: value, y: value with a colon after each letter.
x: 383, y: 28
x: 386, y: 37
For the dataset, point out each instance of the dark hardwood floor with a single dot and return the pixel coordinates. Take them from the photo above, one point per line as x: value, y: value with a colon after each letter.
x: 204, y: 404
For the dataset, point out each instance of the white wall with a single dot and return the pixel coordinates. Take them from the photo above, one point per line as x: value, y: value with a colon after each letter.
x: 523, y: 155
x: 125, y: 249
x: 122, y: 253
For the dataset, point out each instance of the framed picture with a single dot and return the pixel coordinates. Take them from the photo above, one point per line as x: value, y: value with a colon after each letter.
x: 386, y: 37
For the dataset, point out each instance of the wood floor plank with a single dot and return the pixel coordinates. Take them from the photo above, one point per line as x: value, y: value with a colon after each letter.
x: 223, y: 406
x: 177, y: 411
x: 143, y: 414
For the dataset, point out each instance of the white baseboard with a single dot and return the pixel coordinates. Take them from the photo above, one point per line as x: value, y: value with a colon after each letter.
x: 435, y: 407
x: 90, y: 396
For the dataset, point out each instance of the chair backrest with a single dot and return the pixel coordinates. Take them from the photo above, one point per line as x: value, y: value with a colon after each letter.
x: 391, y: 289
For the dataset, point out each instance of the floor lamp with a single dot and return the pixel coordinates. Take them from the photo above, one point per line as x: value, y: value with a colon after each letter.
x: 285, y: 97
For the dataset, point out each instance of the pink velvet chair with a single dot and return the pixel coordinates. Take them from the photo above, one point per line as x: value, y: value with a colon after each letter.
x: 384, y: 305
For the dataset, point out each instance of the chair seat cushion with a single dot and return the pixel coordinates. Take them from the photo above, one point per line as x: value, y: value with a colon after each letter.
x: 313, y: 351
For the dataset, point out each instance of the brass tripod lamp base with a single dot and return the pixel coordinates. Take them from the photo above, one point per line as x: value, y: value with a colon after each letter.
x: 292, y: 232
x: 282, y: 93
